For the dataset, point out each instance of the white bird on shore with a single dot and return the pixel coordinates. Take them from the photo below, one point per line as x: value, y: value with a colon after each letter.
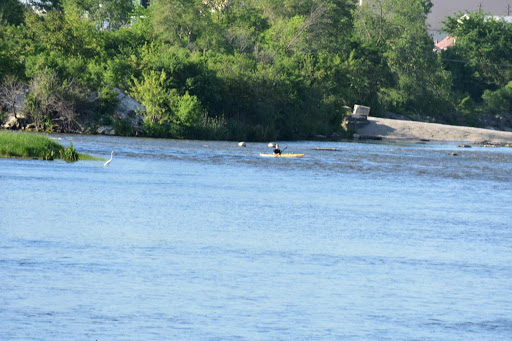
x: 110, y: 160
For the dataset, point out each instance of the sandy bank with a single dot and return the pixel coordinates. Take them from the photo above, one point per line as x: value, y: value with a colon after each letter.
x: 390, y: 129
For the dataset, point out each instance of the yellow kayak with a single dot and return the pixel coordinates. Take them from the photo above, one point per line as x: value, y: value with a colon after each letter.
x: 282, y: 155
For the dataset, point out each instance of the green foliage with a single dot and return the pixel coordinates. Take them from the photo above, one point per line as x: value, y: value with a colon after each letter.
x: 141, y: 29
x: 482, y: 55
x: 34, y: 146
x: 152, y: 93
x: 368, y: 72
x: 181, y: 22
x: 54, y: 102
x: 25, y: 145
x: 250, y: 69
x: 107, y: 101
x: 118, y: 72
x: 243, y: 27
x: 334, y: 28
x: 39, y: 101
x: 466, y: 105
x: 164, y: 106
x: 417, y: 82
x: 13, y: 49
x: 123, y: 128
x: 69, y: 154
x: 68, y: 44
x: 11, y: 12
x: 499, y: 101
x: 188, y: 110
x: 107, y: 14
x: 67, y: 33
x: 45, y: 5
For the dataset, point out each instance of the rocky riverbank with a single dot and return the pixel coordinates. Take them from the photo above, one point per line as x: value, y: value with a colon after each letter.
x: 127, y: 113
x: 393, y: 129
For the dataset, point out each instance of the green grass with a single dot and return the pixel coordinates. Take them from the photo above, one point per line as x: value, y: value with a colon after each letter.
x: 32, y: 146
x: 87, y: 157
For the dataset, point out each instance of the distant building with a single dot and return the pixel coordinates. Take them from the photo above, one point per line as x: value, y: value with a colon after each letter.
x: 444, y: 44
x: 508, y: 19
x: 442, y: 9
x: 450, y: 41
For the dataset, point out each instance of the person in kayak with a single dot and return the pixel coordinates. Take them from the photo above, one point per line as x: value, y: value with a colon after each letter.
x: 277, y: 151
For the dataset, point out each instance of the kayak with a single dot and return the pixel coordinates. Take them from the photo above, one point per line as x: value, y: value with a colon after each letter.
x: 282, y: 155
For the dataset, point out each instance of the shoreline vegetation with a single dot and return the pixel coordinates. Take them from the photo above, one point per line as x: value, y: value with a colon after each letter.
x: 246, y: 70
x: 33, y: 146
x: 26, y: 145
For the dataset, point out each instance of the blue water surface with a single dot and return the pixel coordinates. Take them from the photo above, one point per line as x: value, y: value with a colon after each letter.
x: 202, y: 240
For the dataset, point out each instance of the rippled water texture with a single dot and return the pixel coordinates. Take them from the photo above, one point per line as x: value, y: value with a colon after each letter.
x: 195, y: 240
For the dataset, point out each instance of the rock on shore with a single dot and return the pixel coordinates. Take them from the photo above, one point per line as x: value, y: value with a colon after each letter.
x: 390, y: 129
x: 127, y: 110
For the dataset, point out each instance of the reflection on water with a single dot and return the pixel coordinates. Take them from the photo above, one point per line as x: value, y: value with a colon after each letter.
x: 206, y: 240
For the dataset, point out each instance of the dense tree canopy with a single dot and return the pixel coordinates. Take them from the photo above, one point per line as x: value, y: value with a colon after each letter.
x: 11, y: 12
x: 398, y: 28
x: 247, y: 69
x: 481, y: 59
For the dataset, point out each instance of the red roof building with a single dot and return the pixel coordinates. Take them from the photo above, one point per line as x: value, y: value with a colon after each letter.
x: 444, y: 44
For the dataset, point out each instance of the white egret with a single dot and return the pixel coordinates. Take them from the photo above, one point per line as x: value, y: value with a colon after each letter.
x: 110, y: 160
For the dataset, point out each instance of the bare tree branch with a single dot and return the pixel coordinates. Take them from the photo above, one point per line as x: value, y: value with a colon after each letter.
x: 10, y: 90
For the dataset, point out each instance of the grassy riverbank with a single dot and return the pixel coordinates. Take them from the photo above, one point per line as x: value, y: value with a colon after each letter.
x: 32, y: 146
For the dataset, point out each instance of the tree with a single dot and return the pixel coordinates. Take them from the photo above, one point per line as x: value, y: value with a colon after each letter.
x: 368, y: 73
x: 499, y: 101
x: 309, y: 26
x: 68, y: 44
x: 107, y: 14
x: 399, y: 28
x: 13, y: 50
x: 243, y: 27
x: 11, y: 12
x: 332, y: 31
x: 53, y: 101
x: 153, y: 94
x: 382, y: 20
x: 188, y: 110
x: 10, y: 90
x: 67, y: 33
x: 181, y: 22
x: 481, y: 57
x: 164, y: 107
x: 46, y: 5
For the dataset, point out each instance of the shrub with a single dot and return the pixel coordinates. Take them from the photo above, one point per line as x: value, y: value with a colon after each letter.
x: 107, y: 101
x: 499, y: 100
x: 188, y: 110
x: 123, y: 128
x: 69, y: 154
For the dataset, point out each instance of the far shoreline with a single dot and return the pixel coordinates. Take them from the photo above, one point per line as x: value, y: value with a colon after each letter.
x: 394, y: 130
x: 411, y: 131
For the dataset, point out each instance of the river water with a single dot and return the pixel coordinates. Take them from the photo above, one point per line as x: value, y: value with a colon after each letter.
x: 201, y: 240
